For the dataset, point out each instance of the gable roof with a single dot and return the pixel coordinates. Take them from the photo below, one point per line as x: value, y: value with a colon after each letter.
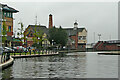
x: 70, y: 31
x: 7, y: 8
x: 44, y: 29
x: 39, y: 28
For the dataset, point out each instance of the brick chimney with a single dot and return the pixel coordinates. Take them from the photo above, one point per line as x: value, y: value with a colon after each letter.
x: 50, y: 21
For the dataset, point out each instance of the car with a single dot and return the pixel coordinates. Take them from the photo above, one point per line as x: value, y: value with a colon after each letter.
x: 1, y: 50
x: 25, y: 49
x: 18, y: 49
x: 8, y: 49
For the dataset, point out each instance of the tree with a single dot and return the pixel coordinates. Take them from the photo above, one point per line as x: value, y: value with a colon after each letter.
x: 21, y: 32
x: 58, y: 35
x: 4, y: 33
x: 38, y: 38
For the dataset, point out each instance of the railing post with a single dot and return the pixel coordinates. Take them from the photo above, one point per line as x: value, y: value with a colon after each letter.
x: 14, y: 54
x: 1, y: 57
x: 4, y: 58
x: 20, y: 52
x: 42, y: 51
x: 34, y: 52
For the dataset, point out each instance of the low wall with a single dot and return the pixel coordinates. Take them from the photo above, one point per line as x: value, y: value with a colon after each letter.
x: 7, y: 63
x: 70, y: 51
x: 33, y: 55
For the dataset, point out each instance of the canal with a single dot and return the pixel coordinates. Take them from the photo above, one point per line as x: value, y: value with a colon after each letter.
x: 71, y: 65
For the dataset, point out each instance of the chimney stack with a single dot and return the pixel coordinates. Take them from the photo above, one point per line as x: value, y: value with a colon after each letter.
x: 50, y: 21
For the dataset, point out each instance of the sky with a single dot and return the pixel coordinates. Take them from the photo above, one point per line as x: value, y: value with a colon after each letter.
x: 96, y: 17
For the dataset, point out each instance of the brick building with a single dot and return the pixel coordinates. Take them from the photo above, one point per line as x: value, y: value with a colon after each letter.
x: 29, y: 32
x: 7, y: 16
x: 77, y: 37
x: 107, y: 45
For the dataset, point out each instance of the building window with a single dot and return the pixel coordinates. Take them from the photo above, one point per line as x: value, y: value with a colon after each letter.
x: 84, y: 37
x: 79, y: 37
x: 9, y: 28
x: 8, y: 14
x: 11, y: 15
x: 5, y: 14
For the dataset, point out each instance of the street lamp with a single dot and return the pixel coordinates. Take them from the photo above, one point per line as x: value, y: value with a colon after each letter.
x: 99, y: 36
x: 52, y: 42
x: 26, y: 45
x: 12, y: 43
x: 0, y: 28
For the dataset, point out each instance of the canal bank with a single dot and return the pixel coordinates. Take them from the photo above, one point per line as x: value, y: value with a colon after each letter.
x: 7, y: 63
x: 109, y: 53
x: 70, y: 51
x: 34, y: 55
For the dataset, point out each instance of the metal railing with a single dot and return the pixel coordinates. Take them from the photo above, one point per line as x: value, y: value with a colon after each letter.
x: 5, y: 57
x: 38, y: 52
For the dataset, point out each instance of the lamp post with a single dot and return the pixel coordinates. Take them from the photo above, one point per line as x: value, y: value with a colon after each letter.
x: 26, y: 45
x: 1, y: 51
x: 99, y: 36
x: 12, y: 43
x: 52, y: 42
x: 0, y: 28
x: 38, y: 46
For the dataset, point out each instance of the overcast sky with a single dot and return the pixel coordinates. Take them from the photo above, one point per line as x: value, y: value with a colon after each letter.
x: 98, y: 17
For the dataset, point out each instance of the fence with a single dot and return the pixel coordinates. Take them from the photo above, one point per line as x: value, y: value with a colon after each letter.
x: 5, y: 57
x: 34, y: 52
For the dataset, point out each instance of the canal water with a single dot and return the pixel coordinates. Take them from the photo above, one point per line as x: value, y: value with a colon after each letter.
x: 71, y: 65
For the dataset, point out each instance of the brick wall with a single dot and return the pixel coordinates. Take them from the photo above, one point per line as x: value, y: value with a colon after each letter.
x: 75, y: 38
x: 106, y: 46
x: 9, y: 22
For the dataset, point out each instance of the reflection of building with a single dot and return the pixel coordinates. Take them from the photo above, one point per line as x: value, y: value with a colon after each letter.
x: 7, y: 16
x: 77, y: 36
x: 107, y: 45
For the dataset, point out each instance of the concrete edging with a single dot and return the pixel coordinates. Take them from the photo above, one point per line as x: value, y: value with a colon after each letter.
x: 109, y: 53
x: 7, y: 63
x: 36, y: 55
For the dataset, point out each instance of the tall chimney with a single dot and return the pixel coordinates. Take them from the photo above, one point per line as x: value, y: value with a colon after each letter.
x: 50, y: 21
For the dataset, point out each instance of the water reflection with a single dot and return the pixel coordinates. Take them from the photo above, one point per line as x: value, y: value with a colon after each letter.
x: 72, y: 65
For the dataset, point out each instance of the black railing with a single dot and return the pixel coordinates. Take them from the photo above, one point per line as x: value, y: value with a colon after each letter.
x: 38, y: 52
x: 5, y: 57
